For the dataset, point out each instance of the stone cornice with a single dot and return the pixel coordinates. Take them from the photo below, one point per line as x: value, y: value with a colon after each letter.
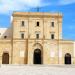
x: 36, y: 14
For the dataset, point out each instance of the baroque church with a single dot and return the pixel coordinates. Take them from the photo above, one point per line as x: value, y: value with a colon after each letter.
x: 35, y: 38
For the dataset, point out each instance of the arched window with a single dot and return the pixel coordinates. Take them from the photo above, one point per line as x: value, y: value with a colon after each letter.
x: 5, y: 58
x: 67, y: 58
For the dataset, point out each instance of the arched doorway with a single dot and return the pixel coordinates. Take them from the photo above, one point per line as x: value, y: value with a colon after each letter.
x: 37, y: 56
x: 5, y: 58
x: 67, y: 58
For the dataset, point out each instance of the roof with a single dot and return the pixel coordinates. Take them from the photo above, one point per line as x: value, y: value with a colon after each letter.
x: 37, y: 14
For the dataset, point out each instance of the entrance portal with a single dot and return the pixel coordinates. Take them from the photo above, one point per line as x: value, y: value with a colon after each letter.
x: 68, y: 58
x: 37, y: 56
x: 5, y: 58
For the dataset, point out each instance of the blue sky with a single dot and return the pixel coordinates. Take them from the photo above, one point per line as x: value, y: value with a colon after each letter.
x: 66, y: 7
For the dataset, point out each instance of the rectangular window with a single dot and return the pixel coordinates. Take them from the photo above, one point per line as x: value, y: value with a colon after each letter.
x: 37, y: 23
x: 52, y: 24
x: 37, y: 36
x: 52, y: 36
x: 22, y: 35
x: 23, y: 23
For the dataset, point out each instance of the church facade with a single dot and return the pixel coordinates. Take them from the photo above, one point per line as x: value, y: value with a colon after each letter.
x: 35, y: 38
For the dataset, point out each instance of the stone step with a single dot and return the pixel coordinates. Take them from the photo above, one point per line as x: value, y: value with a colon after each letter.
x: 37, y: 69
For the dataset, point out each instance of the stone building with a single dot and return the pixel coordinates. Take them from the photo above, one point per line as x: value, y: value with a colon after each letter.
x: 35, y: 38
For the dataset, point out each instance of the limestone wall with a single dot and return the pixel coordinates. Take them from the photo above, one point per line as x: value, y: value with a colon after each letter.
x: 5, y: 46
x: 30, y: 29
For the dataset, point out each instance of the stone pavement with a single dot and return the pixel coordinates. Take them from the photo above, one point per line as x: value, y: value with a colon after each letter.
x: 37, y: 69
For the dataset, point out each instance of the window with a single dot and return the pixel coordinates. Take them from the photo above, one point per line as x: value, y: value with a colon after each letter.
x: 22, y: 35
x: 52, y: 24
x: 22, y: 23
x: 5, y: 37
x: 52, y: 36
x: 37, y: 23
x: 37, y: 36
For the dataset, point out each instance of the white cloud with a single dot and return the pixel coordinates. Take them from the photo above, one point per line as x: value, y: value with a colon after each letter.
x: 66, y: 2
x: 9, y: 6
x: 14, y: 5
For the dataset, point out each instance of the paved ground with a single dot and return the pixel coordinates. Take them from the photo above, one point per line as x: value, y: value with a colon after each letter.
x: 37, y: 69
